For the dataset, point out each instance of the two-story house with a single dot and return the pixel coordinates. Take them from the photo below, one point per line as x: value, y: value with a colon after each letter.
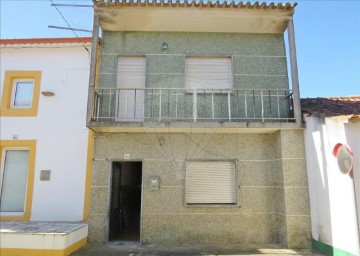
x: 198, y: 135
x: 45, y: 147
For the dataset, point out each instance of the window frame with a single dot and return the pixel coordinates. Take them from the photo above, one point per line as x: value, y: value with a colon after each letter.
x: 14, y: 89
x: 210, y: 90
x: 236, y: 186
x: 29, y: 145
x: 141, y: 112
x: 2, y: 174
x: 9, y: 88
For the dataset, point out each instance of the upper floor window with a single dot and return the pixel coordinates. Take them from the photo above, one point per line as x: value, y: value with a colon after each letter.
x: 23, y: 94
x: 131, y: 73
x: 20, y: 94
x: 208, y: 73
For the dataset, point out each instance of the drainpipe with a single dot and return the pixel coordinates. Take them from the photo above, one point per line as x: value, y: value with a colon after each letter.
x: 294, y: 72
x: 94, y: 48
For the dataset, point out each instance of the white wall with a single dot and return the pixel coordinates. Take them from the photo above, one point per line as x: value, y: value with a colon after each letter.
x: 59, y: 128
x: 332, y: 196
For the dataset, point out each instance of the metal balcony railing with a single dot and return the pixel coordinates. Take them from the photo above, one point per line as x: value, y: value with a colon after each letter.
x: 192, y: 105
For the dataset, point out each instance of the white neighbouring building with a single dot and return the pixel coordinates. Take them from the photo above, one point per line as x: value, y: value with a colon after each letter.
x: 332, y: 141
x: 44, y: 143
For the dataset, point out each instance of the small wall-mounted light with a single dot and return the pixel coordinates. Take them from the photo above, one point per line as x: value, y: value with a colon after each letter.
x: 165, y: 47
x: 48, y: 93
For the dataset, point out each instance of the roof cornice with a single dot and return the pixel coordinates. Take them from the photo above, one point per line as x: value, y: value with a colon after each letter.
x: 193, y: 16
x: 63, y: 40
x: 193, y: 3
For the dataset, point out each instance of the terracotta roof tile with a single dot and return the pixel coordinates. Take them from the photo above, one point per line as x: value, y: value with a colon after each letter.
x: 194, y: 3
x: 62, y: 40
x: 332, y: 106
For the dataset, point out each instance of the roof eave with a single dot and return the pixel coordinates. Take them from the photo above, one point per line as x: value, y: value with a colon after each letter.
x: 193, y: 17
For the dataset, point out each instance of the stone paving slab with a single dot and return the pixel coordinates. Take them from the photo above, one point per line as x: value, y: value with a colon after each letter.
x: 187, y: 250
x: 40, y: 227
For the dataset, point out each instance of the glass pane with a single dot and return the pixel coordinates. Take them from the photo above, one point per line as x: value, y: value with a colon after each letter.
x: 23, y: 93
x: 13, y: 190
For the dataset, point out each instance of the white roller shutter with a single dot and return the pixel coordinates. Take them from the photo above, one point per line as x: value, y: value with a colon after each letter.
x: 210, y: 73
x: 131, y: 75
x: 210, y: 182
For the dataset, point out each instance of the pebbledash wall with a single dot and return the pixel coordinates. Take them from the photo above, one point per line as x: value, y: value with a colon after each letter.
x: 272, y: 180
x: 259, y: 60
x: 59, y: 128
x: 272, y: 187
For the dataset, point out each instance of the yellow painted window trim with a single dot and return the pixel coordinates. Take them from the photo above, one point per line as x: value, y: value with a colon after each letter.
x: 31, y: 145
x: 90, y: 154
x: 7, y: 94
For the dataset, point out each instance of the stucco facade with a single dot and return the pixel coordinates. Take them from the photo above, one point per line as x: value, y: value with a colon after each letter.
x: 334, y: 195
x: 50, y: 128
x: 58, y: 129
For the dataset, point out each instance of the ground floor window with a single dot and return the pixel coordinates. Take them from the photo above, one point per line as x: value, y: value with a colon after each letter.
x: 16, y: 179
x: 13, y: 180
x: 210, y: 182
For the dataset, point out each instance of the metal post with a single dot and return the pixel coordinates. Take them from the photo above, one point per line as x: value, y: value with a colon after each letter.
x: 246, y: 112
x: 229, y: 105
x: 278, y: 104
x: 135, y: 105
x: 254, y: 103
x: 169, y: 91
x: 126, y: 105
x: 212, y: 106
x: 94, y: 49
x: 270, y: 103
x: 117, y: 110
x: 176, y: 104
x: 152, y: 97
x: 159, y: 105
x: 294, y: 72
x: 194, y: 105
x: 110, y: 102
x: 262, y: 105
x: 97, y: 105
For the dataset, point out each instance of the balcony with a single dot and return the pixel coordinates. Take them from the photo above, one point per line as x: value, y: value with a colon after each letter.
x: 139, y: 107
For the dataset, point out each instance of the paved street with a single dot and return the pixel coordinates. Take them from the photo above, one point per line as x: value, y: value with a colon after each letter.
x: 186, y: 250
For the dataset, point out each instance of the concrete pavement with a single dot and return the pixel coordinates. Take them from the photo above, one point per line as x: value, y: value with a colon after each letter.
x: 113, y: 249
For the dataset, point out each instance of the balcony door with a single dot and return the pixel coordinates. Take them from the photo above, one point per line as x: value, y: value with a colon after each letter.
x: 130, y: 95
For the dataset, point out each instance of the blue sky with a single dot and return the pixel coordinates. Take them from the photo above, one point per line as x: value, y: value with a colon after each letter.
x: 327, y: 38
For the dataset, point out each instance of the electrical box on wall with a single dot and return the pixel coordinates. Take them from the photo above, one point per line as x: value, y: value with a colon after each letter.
x: 45, y: 175
x: 154, y: 183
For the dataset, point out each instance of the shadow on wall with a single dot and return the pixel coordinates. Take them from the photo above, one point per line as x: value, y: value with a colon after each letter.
x: 352, y: 133
x: 318, y: 183
x: 325, y: 235
x: 333, y: 217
